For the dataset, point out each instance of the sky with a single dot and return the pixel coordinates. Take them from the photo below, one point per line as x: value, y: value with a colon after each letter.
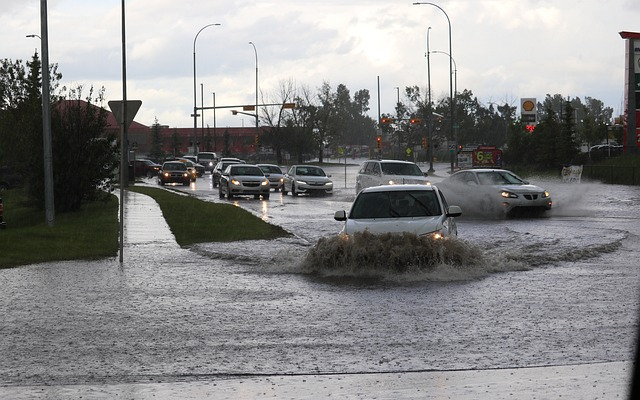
x: 503, y: 51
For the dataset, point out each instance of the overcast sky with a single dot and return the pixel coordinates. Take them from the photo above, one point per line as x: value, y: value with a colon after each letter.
x: 504, y: 50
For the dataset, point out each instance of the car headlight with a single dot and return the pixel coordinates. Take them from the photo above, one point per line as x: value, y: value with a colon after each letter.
x: 235, y: 182
x: 166, y: 174
x: 329, y: 183
x: 391, y: 182
x: 545, y: 194
x: 508, y: 195
x: 265, y: 182
x: 302, y: 182
x: 185, y: 175
x: 436, y: 235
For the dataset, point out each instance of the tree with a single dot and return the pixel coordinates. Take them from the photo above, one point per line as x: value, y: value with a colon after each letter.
x: 156, y: 152
x: 85, y: 155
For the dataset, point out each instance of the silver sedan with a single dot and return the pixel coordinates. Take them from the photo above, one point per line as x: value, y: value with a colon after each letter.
x: 306, y: 179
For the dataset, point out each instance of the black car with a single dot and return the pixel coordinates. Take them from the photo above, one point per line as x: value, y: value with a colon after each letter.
x: 9, y: 179
x: 145, y: 167
x: 174, y: 172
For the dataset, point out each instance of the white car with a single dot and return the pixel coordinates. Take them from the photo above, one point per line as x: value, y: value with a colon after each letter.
x: 495, y: 192
x: 418, y: 209
x: 306, y: 179
x: 243, y: 179
x: 389, y: 172
x: 274, y: 174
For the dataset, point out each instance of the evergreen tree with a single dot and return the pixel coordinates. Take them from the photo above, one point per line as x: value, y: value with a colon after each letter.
x: 155, y: 152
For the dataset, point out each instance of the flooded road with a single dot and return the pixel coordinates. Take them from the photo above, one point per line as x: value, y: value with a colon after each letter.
x: 560, y: 291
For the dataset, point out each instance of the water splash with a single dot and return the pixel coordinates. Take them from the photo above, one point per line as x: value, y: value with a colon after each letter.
x: 405, y: 257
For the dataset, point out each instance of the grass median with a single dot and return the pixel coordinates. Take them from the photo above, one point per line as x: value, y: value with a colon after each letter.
x: 192, y: 220
x: 93, y: 232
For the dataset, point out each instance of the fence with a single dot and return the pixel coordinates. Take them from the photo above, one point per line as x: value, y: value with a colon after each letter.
x: 612, y: 174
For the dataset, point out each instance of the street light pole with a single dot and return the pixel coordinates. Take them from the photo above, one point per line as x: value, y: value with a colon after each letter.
x: 257, y: 129
x: 195, y: 106
x: 46, y: 116
x: 455, y: 91
x: 430, y: 116
x: 450, y: 76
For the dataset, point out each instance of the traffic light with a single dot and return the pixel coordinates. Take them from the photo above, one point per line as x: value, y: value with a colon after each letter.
x: 425, y: 144
x: 379, y: 142
x: 459, y: 148
x: 415, y: 121
x: 386, y: 120
x: 530, y: 128
x: 257, y: 140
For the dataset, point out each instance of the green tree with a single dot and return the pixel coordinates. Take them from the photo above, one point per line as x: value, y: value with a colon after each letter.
x: 85, y: 156
x: 155, y: 152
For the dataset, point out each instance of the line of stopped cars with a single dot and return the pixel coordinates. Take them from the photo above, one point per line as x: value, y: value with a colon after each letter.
x: 235, y: 178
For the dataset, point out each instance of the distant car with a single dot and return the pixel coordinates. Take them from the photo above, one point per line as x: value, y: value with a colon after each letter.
x: 274, y: 174
x: 496, y: 192
x: 243, y: 179
x: 306, y: 179
x: 145, y: 167
x: 208, y: 159
x: 9, y: 179
x: 197, y: 170
x: 418, y: 209
x: 389, y: 172
x: 219, y: 169
x: 174, y: 172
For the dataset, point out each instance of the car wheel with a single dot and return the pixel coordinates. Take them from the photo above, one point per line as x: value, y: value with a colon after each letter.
x: 186, y: 183
x: 284, y: 190
x: 229, y: 194
x: 221, y: 193
x: 265, y: 196
x: 293, y: 190
x: 160, y: 182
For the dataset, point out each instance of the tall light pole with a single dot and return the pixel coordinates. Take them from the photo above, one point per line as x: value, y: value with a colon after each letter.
x: 430, y: 116
x: 257, y: 129
x: 450, y: 76
x: 195, y: 106
x: 49, y: 205
x: 455, y: 92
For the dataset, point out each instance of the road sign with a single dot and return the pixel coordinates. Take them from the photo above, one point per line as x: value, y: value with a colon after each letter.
x: 132, y: 109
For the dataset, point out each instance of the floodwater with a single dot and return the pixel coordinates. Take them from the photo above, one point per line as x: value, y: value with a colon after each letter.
x: 530, y: 308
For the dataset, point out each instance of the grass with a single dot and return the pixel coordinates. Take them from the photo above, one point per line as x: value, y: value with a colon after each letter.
x: 196, y: 221
x: 93, y: 232
x: 27, y: 238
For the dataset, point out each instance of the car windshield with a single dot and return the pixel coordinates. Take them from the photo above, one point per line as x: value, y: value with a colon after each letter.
x: 396, y: 204
x: 310, y: 171
x: 272, y: 169
x: 175, y: 166
x: 401, y: 169
x: 499, y: 178
x: 245, y: 170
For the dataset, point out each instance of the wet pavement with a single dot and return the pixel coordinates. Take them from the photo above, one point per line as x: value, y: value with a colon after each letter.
x: 236, y: 321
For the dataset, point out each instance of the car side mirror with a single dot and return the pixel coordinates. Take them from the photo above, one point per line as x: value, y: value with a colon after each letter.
x: 425, y: 173
x: 340, y: 215
x: 329, y: 176
x: 454, y: 211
